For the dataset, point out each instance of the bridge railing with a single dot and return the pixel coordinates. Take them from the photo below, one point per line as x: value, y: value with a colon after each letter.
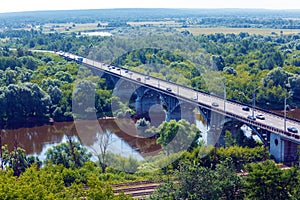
x: 266, y: 127
x: 216, y: 96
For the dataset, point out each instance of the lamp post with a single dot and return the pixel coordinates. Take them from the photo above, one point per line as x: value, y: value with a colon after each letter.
x: 253, y: 100
x: 285, y: 105
x: 225, y: 96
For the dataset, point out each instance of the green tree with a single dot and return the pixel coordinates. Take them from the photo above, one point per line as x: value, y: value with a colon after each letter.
x: 17, y: 160
x: 229, y: 140
x: 268, y: 181
x: 177, y: 136
x: 197, y: 182
x: 70, y: 154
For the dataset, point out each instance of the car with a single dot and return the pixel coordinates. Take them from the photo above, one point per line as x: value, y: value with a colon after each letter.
x: 292, y: 129
x: 195, y: 97
x: 169, y: 89
x: 260, y: 116
x: 138, y: 79
x: 118, y: 69
x: 126, y: 71
x: 147, y: 77
x: 215, y: 104
x: 251, y: 117
x: 245, y: 108
x: 113, y: 67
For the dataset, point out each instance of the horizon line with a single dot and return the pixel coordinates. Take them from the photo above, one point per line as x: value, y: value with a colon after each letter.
x: 208, y: 8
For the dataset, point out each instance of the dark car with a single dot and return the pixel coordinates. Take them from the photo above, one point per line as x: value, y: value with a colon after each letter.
x: 245, y: 108
x: 260, y: 116
x: 292, y: 129
x: 251, y: 117
x: 215, y: 104
x: 169, y: 89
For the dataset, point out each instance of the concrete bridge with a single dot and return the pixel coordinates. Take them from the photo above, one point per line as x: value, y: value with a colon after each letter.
x: 179, y: 102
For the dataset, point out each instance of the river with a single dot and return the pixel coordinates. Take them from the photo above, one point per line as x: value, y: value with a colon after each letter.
x: 37, y: 140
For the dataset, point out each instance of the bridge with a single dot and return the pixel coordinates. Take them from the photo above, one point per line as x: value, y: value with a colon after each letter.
x: 272, y: 130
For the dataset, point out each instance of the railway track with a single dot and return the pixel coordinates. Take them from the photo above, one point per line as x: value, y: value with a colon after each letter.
x: 138, y: 190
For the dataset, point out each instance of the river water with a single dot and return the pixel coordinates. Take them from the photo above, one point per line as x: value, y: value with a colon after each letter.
x: 125, y: 141
x: 36, y: 140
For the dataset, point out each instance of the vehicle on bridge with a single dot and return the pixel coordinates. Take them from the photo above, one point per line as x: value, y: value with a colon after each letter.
x: 260, y: 116
x: 245, y: 108
x: 79, y: 59
x: 215, y: 104
x: 169, y: 89
x: 292, y: 129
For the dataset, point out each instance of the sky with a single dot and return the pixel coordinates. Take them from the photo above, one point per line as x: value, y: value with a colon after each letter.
x: 33, y: 5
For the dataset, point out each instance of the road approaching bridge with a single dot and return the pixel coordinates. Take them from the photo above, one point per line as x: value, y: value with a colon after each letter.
x: 264, y: 120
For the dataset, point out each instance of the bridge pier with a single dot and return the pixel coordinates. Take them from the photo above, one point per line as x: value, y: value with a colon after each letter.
x: 138, y: 105
x: 213, y: 134
x: 283, y: 150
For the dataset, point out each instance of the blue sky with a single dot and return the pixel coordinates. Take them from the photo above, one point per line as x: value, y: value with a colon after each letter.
x: 30, y: 5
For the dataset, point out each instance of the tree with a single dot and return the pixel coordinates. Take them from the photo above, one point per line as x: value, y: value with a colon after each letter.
x: 276, y: 77
x: 177, y: 136
x: 70, y: 154
x: 294, y: 83
x: 55, y: 94
x: 17, y: 160
x: 144, y: 129
x: 219, y: 62
x: 268, y: 181
x: 26, y: 101
x: 197, y: 182
x: 104, y: 140
x: 83, y: 101
x: 229, y: 140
